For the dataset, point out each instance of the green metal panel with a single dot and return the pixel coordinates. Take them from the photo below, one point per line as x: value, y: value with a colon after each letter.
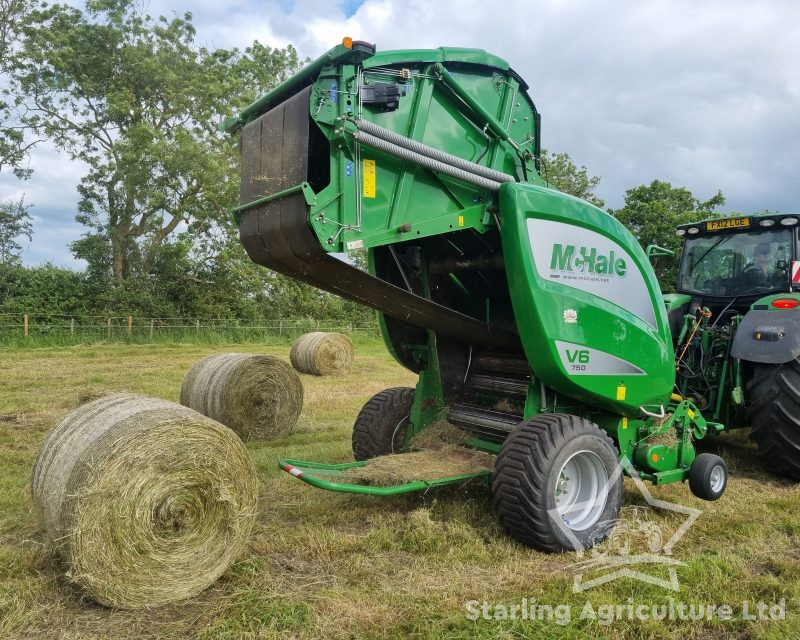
x: 675, y: 300
x: 442, y: 54
x: 410, y: 202
x: 586, y: 300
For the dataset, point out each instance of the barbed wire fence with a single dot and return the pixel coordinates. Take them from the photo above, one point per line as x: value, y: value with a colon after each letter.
x: 21, y: 328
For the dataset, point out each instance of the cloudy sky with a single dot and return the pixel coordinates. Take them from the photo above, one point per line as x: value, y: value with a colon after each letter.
x: 703, y: 94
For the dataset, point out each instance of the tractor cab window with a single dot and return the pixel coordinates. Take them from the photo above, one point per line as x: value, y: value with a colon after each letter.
x: 736, y: 264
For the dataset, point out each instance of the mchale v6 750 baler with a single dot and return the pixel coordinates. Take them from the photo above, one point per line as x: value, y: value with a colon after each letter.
x: 534, y: 319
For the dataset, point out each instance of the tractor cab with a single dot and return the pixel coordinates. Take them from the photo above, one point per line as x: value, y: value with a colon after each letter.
x: 738, y: 260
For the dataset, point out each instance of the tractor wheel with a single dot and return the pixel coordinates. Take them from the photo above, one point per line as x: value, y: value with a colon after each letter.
x: 555, y: 485
x: 708, y: 476
x: 380, y: 427
x: 774, y: 410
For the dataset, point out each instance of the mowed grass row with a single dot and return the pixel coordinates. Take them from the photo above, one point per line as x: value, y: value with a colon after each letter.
x: 325, y: 565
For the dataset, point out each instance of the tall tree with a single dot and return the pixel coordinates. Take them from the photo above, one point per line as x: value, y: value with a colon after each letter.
x: 139, y: 102
x: 15, y: 224
x: 14, y: 146
x: 652, y: 212
x: 562, y: 173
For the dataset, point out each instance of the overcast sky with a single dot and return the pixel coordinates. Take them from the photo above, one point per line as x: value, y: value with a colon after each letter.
x: 703, y: 94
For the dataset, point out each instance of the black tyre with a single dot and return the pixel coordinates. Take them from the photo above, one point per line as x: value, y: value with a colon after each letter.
x: 380, y: 427
x: 708, y: 476
x: 556, y: 485
x: 773, y: 395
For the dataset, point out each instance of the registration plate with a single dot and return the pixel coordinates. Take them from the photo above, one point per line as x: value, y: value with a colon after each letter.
x: 730, y: 223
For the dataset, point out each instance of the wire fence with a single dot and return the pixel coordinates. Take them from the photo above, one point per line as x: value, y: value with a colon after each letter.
x: 38, y: 328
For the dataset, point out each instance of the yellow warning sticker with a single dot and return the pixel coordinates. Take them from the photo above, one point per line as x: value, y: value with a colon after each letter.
x: 460, y: 221
x: 621, y: 391
x: 369, y: 178
x: 624, y: 423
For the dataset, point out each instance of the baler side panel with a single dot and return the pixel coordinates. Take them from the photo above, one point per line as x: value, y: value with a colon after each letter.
x: 405, y: 201
x: 597, y: 333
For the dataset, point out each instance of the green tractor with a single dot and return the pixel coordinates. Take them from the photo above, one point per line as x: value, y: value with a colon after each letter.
x: 736, y: 324
x: 534, y: 320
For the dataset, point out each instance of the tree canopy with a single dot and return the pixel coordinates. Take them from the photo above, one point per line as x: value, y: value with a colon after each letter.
x: 652, y: 213
x: 562, y: 173
x: 137, y: 100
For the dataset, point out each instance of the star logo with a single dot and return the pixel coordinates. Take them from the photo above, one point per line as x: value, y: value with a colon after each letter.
x: 617, y: 559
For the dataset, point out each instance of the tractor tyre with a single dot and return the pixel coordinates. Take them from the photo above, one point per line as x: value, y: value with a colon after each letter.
x: 773, y: 395
x: 557, y: 484
x: 380, y: 427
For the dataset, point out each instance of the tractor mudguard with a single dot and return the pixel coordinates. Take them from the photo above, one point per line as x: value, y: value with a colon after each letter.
x: 768, y: 336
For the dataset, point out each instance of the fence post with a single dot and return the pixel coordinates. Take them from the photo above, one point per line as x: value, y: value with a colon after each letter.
x: 197, y: 325
x: 72, y: 327
x: 317, y: 325
x: 25, y: 325
x: 152, y: 325
x: 280, y: 328
x: 130, y: 325
x: 109, y: 329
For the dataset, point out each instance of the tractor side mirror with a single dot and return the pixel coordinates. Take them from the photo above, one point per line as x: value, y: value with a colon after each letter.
x: 654, y: 251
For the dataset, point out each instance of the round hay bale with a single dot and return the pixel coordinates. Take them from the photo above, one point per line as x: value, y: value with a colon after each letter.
x: 147, y: 501
x: 259, y: 397
x: 322, y: 354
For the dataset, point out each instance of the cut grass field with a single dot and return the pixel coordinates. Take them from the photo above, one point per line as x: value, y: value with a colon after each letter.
x: 325, y: 565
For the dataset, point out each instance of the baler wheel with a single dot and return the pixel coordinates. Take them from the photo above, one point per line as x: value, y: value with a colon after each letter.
x: 774, y: 409
x: 708, y: 476
x: 381, y: 424
x: 556, y: 485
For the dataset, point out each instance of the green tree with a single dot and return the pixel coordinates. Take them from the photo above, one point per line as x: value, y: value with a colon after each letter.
x: 652, y: 212
x: 15, y: 223
x: 561, y: 172
x: 139, y: 102
x: 13, y: 145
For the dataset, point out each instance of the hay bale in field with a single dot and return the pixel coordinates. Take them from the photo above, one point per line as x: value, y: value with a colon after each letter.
x: 257, y: 396
x: 147, y: 501
x: 322, y: 354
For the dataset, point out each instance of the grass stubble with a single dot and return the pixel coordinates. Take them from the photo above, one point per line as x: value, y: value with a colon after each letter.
x: 326, y: 565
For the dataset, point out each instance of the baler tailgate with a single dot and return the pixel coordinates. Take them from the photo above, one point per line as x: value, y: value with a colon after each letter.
x: 345, y: 477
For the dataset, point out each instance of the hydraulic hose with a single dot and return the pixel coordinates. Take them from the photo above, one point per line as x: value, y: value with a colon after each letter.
x: 430, y: 152
x: 428, y: 163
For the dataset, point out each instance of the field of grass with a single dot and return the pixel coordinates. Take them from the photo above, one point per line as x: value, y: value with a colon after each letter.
x: 324, y: 565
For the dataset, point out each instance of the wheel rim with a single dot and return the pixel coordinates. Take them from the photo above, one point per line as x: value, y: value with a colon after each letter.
x: 580, y: 491
x: 717, y: 478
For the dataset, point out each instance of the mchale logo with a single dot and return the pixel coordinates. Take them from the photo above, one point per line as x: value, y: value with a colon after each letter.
x: 587, y: 260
